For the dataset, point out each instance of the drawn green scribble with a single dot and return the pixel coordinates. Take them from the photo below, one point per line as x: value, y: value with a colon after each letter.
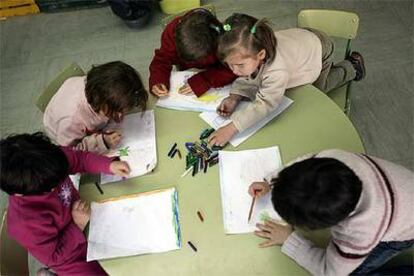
x: 264, y: 215
x: 124, y: 151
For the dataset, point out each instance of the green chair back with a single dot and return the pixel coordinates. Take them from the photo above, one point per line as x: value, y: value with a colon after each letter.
x: 43, y: 99
x: 174, y: 6
x: 170, y: 18
x: 336, y: 24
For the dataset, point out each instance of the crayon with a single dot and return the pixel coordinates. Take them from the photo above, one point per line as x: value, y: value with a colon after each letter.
x: 174, y: 152
x: 192, y: 246
x: 186, y: 172
x: 99, y: 188
x: 205, y: 166
x: 179, y: 153
x: 172, y: 149
x: 200, y: 216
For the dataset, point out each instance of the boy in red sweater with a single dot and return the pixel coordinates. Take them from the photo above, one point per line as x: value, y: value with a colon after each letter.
x: 190, y: 41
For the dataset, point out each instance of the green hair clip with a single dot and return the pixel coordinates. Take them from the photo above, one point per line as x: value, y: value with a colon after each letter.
x: 227, y: 27
x: 253, y: 29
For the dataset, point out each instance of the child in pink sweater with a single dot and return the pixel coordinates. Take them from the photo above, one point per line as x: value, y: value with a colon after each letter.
x: 45, y: 214
x: 82, y: 107
x: 366, y: 203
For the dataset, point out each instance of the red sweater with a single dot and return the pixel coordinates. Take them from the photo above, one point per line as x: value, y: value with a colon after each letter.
x: 43, y: 223
x: 214, y: 74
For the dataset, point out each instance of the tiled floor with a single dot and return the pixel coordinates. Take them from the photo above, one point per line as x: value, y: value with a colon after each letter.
x: 34, y: 48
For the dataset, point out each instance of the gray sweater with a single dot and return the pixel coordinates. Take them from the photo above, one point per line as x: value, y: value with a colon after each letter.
x: 383, y: 213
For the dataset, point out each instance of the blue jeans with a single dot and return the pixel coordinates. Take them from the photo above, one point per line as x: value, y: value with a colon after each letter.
x: 383, y: 252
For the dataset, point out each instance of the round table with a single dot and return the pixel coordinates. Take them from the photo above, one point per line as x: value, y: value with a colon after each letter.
x: 312, y: 123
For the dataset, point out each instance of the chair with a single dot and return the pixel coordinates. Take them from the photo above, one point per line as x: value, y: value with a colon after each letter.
x: 14, y: 262
x: 43, y: 99
x: 342, y: 27
x: 170, y: 18
x: 174, y: 6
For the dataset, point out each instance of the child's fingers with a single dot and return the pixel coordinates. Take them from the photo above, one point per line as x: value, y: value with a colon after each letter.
x: 267, y: 243
x: 163, y: 88
x: 76, y: 204
x: 263, y: 234
x: 82, y: 205
x: 264, y: 227
x: 255, y: 190
x: 125, y: 168
x: 185, y: 89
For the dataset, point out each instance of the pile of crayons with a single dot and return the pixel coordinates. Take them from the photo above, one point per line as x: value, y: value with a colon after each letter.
x: 200, y: 156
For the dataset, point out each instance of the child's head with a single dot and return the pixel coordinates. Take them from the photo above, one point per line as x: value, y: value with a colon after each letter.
x: 316, y: 193
x: 115, y: 88
x: 31, y: 164
x: 196, y: 35
x: 246, y: 43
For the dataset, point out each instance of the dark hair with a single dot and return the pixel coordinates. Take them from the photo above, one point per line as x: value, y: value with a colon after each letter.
x: 115, y: 85
x: 242, y: 30
x: 196, y: 35
x: 316, y: 193
x: 31, y: 164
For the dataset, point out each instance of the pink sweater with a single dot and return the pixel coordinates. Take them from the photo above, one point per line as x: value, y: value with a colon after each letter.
x: 383, y: 213
x: 43, y: 223
x: 69, y: 120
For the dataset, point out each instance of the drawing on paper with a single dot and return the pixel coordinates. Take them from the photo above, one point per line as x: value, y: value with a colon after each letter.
x: 238, y: 170
x: 138, y: 144
x: 207, y: 102
x: 133, y: 225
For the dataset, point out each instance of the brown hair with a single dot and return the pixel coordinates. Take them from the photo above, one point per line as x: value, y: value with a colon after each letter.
x: 242, y: 30
x: 196, y: 35
x: 116, y: 86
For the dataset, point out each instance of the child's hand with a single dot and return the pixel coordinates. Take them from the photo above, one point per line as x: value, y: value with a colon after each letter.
x: 276, y: 234
x: 185, y: 89
x: 221, y: 136
x: 259, y: 189
x: 228, y: 105
x: 112, y: 138
x: 120, y: 168
x: 81, y: 213
x: 160, y: 90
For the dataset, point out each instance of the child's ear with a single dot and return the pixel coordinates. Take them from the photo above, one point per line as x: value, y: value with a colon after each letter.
x: 262, y: 54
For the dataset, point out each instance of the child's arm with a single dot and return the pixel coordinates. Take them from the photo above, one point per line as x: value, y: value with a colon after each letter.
x: 320, y: 261
x: 71, y: 133
x: 84, y: 161
x: 267, y: 98
x: 213, y: 77
x: 66, y: 247
x: 164, y: 58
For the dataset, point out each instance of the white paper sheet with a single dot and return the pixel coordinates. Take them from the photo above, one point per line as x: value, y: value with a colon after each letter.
x: 75, y: 178
x: 138, y: 144
x: 238, y: 170
x: 141, y: 224
x: 207, y: 102
x: 216, y: 121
